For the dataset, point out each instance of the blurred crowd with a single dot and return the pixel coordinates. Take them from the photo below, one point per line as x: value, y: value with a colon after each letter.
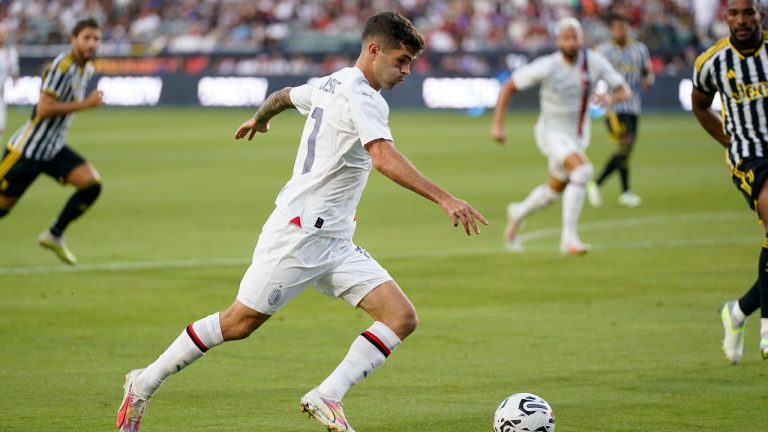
x: 279, y: 33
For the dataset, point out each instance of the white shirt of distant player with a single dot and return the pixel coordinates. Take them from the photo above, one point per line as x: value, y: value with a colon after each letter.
x: 561, y: 86
x: 9, y: 66
x: 332, y: 164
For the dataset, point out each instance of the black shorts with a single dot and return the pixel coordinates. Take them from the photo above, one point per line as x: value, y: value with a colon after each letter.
x: 621, y: 124
x: 18, y: 172
x: 749, y: 176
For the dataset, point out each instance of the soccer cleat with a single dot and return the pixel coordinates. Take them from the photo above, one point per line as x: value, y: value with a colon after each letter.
x: 764, y: 347
x: 132, y: 409
x: 511, y: 241
x: 328, y: 412
x: 593, y: 194
x: 733, y: 342
x: 57, y: 244
x: 574, y: 248
x: 629, y: 199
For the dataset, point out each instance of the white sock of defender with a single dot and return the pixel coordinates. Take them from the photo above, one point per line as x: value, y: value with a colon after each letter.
x: 540, y: 197
x: 737, y: 315
x: 573, y: 202
x: 192, y: 343
x: 368, y: 352
x: 764, y: 328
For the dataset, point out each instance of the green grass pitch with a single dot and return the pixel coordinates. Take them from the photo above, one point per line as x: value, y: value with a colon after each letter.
x: 625, y: 339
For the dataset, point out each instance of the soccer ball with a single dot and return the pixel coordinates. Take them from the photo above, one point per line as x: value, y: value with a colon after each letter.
x: 524, y: 412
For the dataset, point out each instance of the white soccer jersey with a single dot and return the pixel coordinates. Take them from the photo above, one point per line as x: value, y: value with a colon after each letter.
x: 332, y: 164
x: 563, y: 89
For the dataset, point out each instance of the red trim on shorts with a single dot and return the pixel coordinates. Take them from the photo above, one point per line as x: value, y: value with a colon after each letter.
x: 296, y: 221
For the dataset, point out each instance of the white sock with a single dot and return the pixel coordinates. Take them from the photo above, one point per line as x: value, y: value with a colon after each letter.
x: 368, y: 352
x: 764, y: 328
x: 737, y: 315
x: 540, y: 197
x: 191, y: 344
x: 573, y: 202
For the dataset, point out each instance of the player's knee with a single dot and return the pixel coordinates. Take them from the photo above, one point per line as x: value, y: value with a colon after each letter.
x: 625, y: 145
x: 404, y: 322
x: 582, y: 173
x: 239, y: 322
x: 4, y: 211
x: 91, y: 192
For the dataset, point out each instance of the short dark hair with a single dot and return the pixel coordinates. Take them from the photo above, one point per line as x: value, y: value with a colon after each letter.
x: 619, y: 17
x: 83, y: 24
x: 392, y: 29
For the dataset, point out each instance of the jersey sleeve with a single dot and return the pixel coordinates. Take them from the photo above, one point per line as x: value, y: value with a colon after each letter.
x: 604, y: 71
x: 370, y: 114
x: 703, y: 77
x: 646, y: 67
x: 55, y: 79
x: 301, y: 97
x: 531, y: 74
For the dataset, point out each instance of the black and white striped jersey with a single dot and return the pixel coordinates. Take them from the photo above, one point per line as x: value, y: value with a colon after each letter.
x: 41, y: 139
x: 633, y: 62
x: 742, y: 82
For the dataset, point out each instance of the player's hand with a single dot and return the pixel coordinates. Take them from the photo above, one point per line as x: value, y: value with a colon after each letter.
x: 604, y: 99
x: 461, y: 212
x: 94, y: 99
x: 250, y: 127
x: 498, y: 134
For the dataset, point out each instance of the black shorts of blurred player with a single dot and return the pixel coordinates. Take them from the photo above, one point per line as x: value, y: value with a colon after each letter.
x: 749, y: 176
x: 24, y: 172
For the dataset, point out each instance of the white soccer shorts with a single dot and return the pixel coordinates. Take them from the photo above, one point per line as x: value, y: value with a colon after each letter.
x: 287, y: 260
x: 557, y: 145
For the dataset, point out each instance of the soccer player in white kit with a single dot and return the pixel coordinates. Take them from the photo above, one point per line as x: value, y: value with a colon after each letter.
x: 308, y: 238
x: 567, y: 79
x: 9, y: 68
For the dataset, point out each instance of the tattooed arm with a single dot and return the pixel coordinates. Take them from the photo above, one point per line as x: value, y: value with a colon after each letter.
x: 276, y: 103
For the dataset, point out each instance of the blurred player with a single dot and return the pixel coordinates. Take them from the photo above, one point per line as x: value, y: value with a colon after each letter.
x: 567, y: 79
x: 308, y: 238
x: 631, y: 59
x: 39, y: 145
x: 737, y: 68
x: 9, y: 68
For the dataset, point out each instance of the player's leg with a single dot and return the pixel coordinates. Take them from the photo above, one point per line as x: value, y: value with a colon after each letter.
x: 762, y: 209
x: 363, y: 283
x: 260, y: 296
x: 539, y: 198
x: 69, y: 167
x: 394, y: 319
x: 733, y: 315
x: 6, y: 204
x: 542, y: 196
x: 626, y: 145
x: 615, y: 130
x: 16, y: 175
x: 579, y: 172
x: 236, y: 322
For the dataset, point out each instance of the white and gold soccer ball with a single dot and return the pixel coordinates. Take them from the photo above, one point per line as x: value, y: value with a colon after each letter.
x: 524, y: 412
